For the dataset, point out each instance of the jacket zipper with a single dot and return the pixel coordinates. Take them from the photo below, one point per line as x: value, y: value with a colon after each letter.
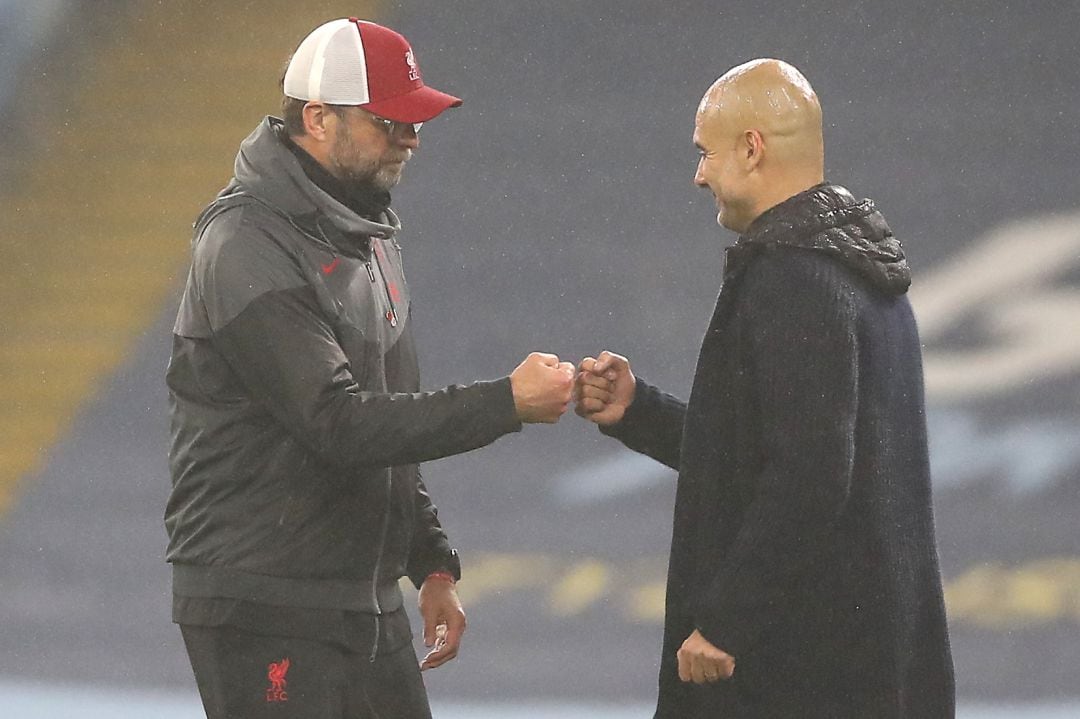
x: 391, y: 314
x: 378, y: 566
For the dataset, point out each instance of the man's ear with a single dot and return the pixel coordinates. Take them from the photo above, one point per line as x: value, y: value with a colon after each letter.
x: 317, y: 120
x: 752, y: 148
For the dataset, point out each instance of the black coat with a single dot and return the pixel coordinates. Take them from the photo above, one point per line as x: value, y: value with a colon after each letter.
x: 803, y: 539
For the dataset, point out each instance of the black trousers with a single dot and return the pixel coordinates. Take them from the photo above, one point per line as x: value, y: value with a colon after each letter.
x: 249, y: 676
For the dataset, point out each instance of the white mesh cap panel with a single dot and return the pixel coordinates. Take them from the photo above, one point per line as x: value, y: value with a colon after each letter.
x: 344, y: 75
x: 329, y: 66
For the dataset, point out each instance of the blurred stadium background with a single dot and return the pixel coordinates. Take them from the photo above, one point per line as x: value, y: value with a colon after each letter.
x: 555, y: 212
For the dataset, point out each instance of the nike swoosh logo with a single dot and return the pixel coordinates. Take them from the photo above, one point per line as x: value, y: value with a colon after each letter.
x: 327, y: 269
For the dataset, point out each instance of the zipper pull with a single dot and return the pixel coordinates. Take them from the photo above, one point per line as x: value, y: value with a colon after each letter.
x: 391, y: 316
x: 370, y: 272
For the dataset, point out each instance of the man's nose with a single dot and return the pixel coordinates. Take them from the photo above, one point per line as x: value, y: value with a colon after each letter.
x: 699, y: 178
x: 408, y: 137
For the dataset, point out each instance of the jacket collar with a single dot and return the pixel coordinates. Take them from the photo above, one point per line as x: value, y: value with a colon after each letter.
x: 827, y: 218
x: 268, y: 170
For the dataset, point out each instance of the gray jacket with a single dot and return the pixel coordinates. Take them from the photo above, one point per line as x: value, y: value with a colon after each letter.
x: 297, y: 420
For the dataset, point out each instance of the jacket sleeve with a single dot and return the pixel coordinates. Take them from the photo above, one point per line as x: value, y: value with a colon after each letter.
x: 652, y: 424
x: 431, y: 551
x: 267, y: 324
x: 804, y: 347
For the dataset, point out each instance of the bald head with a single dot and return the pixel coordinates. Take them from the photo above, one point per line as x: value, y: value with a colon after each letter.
x: 760, y: 123
x: 772, y: 97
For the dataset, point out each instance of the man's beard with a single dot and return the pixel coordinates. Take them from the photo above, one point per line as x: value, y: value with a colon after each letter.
x: 354, y: 169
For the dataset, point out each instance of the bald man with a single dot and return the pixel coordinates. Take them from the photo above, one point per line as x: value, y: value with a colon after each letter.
x: 803, y: 579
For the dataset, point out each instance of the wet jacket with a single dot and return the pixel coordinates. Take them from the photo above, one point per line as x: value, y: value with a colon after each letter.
x: 803, y: 540
x: 297, y: 419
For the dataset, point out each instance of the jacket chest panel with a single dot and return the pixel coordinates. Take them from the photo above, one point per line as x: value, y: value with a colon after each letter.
x: 720, y: 368
x: 721, y: 442
x: 369, y: 295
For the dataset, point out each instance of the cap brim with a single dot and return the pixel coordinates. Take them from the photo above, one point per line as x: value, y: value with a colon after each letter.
x: 419, y: 105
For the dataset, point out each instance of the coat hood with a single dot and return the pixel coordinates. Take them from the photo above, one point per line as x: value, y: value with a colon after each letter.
x: 827, y: 218
x: 268, y: 171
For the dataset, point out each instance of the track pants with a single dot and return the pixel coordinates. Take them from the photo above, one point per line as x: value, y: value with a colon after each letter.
x: 249, y: 676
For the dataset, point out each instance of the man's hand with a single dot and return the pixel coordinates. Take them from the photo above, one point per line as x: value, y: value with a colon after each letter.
x: 542, y: 388
x: 701, y: 662
x: 444, y: 620
x: 604, y: 388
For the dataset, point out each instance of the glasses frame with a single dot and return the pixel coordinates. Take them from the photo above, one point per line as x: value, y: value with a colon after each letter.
x: 395, y: 128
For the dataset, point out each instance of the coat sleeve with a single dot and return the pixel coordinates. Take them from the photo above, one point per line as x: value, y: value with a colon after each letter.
x: 267, y: 325
x: 805, y: 351
x: 652, y: 424
x: 431, y: 551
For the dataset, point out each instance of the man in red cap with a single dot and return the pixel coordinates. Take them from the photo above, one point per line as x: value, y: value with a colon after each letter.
x: 297, y: 417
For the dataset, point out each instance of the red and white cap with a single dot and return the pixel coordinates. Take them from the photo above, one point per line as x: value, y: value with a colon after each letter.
x: 355, y: 62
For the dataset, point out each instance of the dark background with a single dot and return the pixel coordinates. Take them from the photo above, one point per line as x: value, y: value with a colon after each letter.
x: 555, y: 211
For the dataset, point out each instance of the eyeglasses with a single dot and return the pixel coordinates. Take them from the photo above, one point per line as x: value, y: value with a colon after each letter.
x: 395, y: 128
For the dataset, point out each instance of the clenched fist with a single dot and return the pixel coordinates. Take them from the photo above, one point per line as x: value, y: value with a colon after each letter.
x: 702, y: 662
x: 542, y: 388
x: 604, y: 388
